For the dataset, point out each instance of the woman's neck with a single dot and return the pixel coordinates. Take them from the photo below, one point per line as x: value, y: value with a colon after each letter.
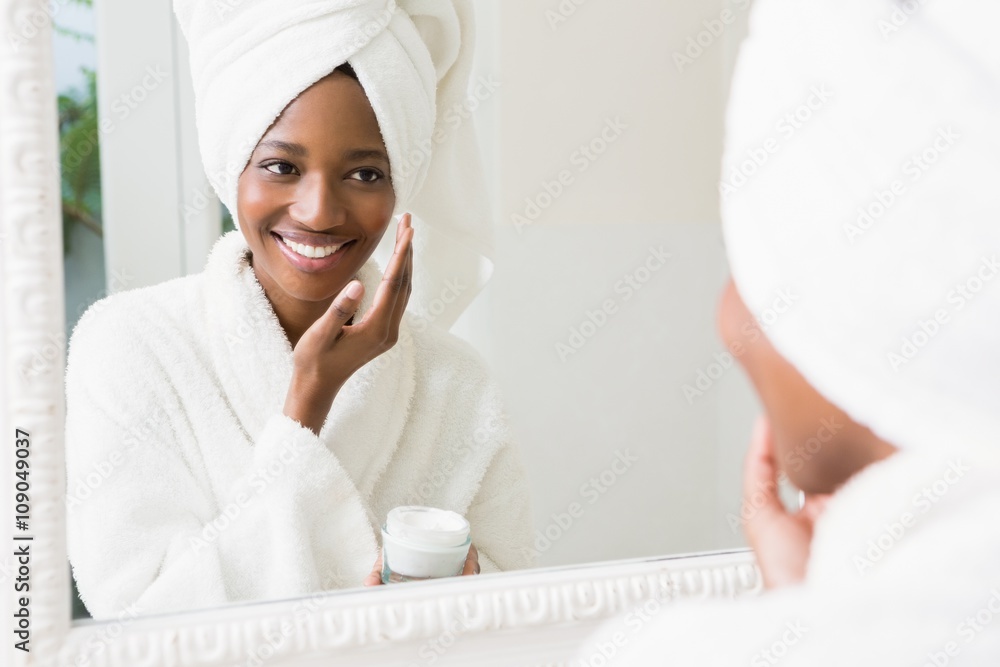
x: 294, y: 315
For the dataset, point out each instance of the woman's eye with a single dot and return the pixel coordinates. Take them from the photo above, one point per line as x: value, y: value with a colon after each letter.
x: 280, y: 165
x: 367, y: 175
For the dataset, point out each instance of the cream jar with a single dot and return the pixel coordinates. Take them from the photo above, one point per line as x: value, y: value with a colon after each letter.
x: 423, y: 543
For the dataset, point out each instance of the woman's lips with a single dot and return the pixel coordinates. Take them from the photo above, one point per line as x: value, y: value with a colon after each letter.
x: 311, y: 264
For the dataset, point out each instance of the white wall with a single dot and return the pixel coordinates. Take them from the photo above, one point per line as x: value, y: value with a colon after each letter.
x: 655, y: 185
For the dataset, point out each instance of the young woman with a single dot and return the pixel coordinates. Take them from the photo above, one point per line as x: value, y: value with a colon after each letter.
x: 241, y: 433
x: 881, y: 383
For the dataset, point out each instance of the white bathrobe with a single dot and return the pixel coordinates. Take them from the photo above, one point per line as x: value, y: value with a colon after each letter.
x: 188, y: 487
x: 904, y: 570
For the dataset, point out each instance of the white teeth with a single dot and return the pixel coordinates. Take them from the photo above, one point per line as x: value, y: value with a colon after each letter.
x: 311, y: 251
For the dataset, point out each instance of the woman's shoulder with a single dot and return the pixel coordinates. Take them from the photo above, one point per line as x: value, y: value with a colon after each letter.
x: 453, y: 378
x: 442, y: 352
x: 452, y: 369
x: 128, y: 320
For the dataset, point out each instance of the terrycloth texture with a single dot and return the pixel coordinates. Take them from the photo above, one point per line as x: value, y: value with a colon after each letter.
x: 877, y: 592
x: 413, y: 58
x: 897, y: 293
x: 188, y: 487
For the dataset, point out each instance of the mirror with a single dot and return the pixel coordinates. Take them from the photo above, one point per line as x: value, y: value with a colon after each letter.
x: 601, y: 128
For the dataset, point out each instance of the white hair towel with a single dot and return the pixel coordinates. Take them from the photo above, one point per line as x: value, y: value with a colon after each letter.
x: 250, y: 58
x: 863, y: 176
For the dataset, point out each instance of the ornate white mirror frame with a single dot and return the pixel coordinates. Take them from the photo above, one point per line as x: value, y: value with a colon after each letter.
x: 534, y: 617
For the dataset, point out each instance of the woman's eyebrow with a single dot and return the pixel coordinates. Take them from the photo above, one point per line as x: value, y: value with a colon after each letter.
x: 365, y: 154
x: 298, y: 150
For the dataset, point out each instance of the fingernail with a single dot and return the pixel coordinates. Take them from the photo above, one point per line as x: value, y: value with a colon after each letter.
x: 354, y: 290
x: 760, y: 426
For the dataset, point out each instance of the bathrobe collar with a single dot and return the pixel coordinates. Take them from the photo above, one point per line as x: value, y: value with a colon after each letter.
x: 887, y: 508
x: 253, y: 359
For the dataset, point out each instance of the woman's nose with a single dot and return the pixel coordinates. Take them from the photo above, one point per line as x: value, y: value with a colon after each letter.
x: 318, y: 204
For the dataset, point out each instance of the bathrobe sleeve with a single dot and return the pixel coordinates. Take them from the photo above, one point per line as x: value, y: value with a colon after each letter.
x: 145, y: 528
x: 475, y: 447
x: 500, y: 511
x: 500, y: 515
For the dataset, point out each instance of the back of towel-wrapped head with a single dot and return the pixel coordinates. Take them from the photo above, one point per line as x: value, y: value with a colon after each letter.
x: 861, y: 210
x: 413, y: 58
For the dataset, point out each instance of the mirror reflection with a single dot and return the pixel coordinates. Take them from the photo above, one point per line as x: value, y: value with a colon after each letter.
x: 401, y: 293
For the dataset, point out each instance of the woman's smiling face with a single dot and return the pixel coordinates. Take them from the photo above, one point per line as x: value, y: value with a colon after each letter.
x: 319, y: 180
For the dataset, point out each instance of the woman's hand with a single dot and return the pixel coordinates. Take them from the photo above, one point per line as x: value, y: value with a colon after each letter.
x: 330, y: 352
x: 374, y: 578
x: 780, y: 539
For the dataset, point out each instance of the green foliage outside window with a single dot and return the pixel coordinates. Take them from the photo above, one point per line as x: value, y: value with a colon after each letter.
x: 79, y: 158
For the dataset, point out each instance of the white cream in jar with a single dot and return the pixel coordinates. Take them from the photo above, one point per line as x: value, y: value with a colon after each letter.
x: 423, y: 543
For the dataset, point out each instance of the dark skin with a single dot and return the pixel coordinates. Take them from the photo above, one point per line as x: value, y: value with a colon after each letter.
x: 320, y: 176
x: 795, y: 412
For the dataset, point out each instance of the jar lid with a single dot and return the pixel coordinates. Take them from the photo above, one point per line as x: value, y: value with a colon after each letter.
x: 428, y: 526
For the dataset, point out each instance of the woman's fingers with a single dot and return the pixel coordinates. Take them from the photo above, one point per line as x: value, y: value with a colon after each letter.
x: 760, y: 472
x: 471, y: 567
x: 471, y: 562
x: 374, y: 577
x: 399, y: 308
x: 813, y: 506
x: 395, y: 281
x: 343, y: 308
x: 387, y: 322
